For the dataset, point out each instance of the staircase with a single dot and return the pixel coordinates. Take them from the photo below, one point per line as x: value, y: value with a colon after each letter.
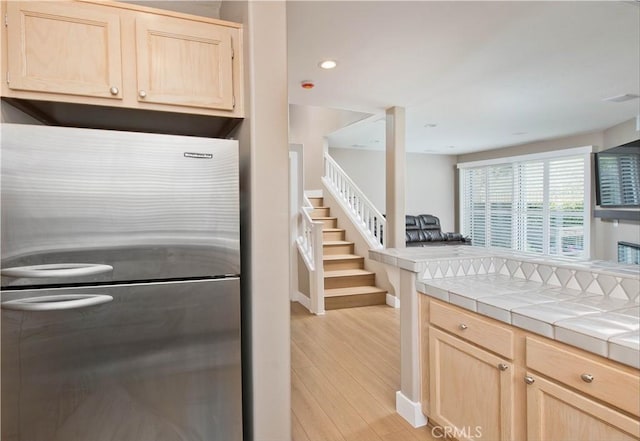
x: 346, y: 283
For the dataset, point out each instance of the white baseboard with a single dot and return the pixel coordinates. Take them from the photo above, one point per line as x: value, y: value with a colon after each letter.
x: 393, y: 301
x: 410, y: 410
x: 303, y: 300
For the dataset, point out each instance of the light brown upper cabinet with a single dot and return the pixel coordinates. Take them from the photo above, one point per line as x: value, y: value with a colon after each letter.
x: 184, y: 63
x: 64, y: 48
x: 122, y: 55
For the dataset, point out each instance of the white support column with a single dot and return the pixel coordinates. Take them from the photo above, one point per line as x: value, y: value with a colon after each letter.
x: 408, y: 397
x: 395, y: 169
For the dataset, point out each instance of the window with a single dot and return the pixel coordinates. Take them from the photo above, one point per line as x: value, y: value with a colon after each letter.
x: 535, y: 203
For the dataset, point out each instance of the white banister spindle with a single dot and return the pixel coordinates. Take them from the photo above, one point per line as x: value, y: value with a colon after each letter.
x: 362, y: 212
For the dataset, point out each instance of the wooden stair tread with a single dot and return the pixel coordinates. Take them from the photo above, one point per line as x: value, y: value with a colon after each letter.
x: 323, y: 217
x: 353, y: 291
x: 332, y: 230
x: 336, y: 242
x: 347, y: 273
x: 341, y: 257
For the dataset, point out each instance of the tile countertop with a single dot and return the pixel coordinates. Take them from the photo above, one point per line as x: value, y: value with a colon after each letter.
x: 568, y: 309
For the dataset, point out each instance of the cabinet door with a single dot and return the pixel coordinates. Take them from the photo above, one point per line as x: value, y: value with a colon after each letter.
x: 471, y: 390
x: 184, y: 63
x: 555, y: 413
x: 64, y: 48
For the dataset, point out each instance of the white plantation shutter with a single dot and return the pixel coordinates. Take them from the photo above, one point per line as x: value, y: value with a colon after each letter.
x: 529, y: 234
x: 500, y: 203
x: 538, y: 205
x: 475, y: 200
x: 566, y: 206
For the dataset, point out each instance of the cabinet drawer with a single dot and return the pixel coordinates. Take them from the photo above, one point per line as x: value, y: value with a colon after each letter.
x: 605, y: 382
x: 473, y: 328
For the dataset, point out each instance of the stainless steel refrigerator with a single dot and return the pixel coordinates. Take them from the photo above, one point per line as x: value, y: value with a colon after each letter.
x: 120, y: 286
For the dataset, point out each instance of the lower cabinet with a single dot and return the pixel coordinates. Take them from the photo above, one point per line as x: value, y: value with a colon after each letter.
x: 472, y: 390
x: 556, y: 413
x: 485, y: 380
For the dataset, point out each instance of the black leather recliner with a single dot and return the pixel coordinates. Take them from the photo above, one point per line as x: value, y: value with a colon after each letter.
x: 424, y: 230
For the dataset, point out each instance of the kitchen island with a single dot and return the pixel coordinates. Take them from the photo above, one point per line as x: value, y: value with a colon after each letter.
x: 487, y: 338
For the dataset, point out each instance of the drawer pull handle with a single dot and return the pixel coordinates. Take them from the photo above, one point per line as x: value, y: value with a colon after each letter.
x: 462, y: 326
x: 503, y: 367
x: 114, y: 90
x: 529, y: 380
x: 142, y: 94
x: 587, y: 378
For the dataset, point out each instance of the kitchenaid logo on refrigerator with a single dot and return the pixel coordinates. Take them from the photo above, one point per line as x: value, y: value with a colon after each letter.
x: 198, y: 155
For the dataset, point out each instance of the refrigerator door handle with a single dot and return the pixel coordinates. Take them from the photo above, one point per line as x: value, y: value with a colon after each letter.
x: 57, y: 303
x: 57, y: 270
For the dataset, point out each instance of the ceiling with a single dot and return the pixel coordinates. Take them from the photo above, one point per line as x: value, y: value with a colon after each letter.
x: 486, y: 74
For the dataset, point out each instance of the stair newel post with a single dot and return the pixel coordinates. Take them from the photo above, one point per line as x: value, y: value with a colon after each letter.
x: 317, y: 276
x: 327, y: 168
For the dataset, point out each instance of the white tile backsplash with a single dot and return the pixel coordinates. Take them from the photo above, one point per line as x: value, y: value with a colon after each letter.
x: 591, y: 305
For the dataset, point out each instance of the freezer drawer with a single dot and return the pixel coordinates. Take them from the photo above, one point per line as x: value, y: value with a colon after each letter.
x: 147, y: 362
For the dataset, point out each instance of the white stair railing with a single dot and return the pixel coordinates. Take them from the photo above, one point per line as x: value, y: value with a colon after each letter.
x: 364, y: 215
x: 310, y: 245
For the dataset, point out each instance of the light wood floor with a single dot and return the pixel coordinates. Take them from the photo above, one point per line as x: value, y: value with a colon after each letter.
x: 345, y: 371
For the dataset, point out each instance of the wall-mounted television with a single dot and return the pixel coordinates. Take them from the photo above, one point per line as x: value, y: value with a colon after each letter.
x: 618, y: 176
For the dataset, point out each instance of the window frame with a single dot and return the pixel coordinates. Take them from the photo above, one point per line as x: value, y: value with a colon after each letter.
x: 584, y: 152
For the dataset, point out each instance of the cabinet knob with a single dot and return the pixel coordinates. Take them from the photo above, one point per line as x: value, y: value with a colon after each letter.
x: 587, y: 378
x: 462, y: 326
x: 114, y: 90
x: 503, y: 367
x: 142, y: 94
x: 529, y: 380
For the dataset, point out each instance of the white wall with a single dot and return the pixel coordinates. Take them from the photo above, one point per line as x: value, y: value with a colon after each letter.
x: 430, y: 186
x: 264, y: 166
x: 309, y: 125
x: 367, y: 169
x: 594, y: 139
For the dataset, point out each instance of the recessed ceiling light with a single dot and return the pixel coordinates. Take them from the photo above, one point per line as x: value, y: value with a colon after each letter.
x: 430, y: 125
x: 328, y: 64
x: 621, y: 98
x: 451, y: 146
x: 519, y: 133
